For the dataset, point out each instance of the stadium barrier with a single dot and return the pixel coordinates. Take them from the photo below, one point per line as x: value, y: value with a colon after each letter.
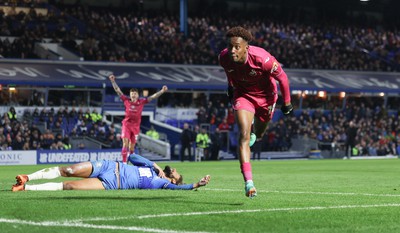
x: 155, y: 146
x: 33, y: 157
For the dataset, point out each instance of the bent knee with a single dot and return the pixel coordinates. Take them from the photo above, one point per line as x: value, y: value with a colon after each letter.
x: 67, y: 171
x: 244, y: 136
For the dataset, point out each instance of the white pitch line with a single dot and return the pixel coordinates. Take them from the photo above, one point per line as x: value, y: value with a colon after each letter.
x: 306, y: 192
x: 78, y: 223
x: 270, y: 210
x: 244, y: 211
x: 84, y: 225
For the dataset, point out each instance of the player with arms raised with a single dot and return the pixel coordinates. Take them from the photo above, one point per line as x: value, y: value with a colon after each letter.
x: 252, y: 73
x: 133, y: 116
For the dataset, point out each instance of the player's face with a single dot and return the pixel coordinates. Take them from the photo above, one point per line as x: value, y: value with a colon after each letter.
x: 134, y: 95
x: 237, y: 48
x: 175, y: 175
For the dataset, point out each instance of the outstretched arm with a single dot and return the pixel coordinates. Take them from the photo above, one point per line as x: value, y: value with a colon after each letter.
x: 158, y: 94
x: 115, y: 86
x: 203, y: 182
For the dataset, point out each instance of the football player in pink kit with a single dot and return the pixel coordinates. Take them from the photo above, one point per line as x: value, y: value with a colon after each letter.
x: 252, y: 74
x: 133, y: 116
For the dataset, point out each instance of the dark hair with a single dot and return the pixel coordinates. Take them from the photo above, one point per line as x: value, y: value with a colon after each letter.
x: 239, y: 32
x: 134, y: 90
x: 167, y: 171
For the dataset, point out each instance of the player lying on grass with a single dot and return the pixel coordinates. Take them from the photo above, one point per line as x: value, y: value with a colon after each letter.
x: 106, y: 174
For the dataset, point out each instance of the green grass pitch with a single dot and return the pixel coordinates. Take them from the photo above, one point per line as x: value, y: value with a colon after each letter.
x: 299, y: 196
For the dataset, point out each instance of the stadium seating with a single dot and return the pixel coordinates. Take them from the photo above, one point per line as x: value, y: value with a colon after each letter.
x: 116, y: 35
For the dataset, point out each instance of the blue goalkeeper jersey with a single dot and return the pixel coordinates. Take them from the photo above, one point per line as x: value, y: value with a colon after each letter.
x: 144, y: 176
x: 140, y: 175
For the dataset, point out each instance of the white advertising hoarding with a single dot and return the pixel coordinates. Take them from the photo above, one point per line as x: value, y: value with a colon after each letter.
x: 18, y: 157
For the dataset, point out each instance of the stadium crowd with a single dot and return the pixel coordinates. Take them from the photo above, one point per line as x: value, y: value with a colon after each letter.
x: 378, y: 131
x: 24, y: 133
x: 100, y: 34
x: 104, y: 34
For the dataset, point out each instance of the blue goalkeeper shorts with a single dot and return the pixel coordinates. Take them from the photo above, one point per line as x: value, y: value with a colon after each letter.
x: 104, y: 170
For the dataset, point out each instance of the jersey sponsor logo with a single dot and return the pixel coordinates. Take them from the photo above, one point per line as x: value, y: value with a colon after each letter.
x: 253, y: 73
x: 230, y: 71
x: 266, y: 60
x: 145, y: 171
x: 237, y: 104
x: 274, y: 67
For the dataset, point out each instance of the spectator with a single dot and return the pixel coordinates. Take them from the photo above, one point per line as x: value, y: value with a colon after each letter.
x: 36, y: 99
x: 82, y: 129
x: 117, y: 142
x: 201, y: 115
x: 18, y: 142
x: 153, y: 133
x: 26, y: 146
x: 224, y: 126
x: 47, y: 139
x: 12, y: 115
x: 186, y: 140
x: 216, y: 141
x: 5, y: 147
x: 202, y: 142
x: 66, y: 144
x: 351, y: 134
x: 95, y: 116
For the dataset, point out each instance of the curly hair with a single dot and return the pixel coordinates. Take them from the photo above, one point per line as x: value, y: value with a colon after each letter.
x: 239, y: 32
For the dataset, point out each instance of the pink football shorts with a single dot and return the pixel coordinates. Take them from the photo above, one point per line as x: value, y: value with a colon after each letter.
x: 262, y: 108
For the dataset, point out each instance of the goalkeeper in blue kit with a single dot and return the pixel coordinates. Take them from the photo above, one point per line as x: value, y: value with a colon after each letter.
x: 107, y: 174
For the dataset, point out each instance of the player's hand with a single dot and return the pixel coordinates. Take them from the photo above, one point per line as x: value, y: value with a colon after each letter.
x: 112, y: 78
x: 158, y: 170
x: 161, y: 174
x: 287, y: 109
x: 164, y: 89
x: 229, y: 93
x: 204, y: 181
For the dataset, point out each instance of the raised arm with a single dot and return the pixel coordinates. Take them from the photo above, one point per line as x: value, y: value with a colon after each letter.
x: 158, y: 94
x: 138, y: 160
x: 115, y: 86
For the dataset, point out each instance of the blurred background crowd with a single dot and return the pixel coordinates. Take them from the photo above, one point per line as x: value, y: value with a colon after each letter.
x: 135, y: 34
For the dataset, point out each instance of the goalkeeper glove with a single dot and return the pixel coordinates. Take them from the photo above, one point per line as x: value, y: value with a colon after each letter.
x: 204, y: 180
x: 287, y: 109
